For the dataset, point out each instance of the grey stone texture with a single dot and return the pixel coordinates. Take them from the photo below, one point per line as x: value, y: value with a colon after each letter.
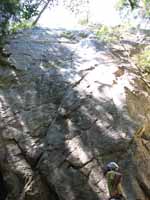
x: 67, y: 107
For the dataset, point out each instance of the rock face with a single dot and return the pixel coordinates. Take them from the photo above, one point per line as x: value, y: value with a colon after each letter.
x: 67, y: 107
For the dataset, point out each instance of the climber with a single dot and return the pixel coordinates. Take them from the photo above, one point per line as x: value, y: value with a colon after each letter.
x: 114, y: 178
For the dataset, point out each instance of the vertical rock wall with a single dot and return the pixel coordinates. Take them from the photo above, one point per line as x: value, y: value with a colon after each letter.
x: 64, y: 114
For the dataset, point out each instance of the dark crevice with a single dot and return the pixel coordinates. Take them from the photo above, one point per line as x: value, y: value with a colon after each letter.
x: 51, y: 189
x: 3, y: 188
x: 36, y: 163
x: 79, y: 81
x: 147, y: 148
x: 23, y: 153
x: 32, y: 163
x: 144, y: 188
x: 67, y: 114
x: 88, y: 69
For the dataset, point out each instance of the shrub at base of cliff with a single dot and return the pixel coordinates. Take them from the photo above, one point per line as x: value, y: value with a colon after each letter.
x: 112, y: 34
x: 142, y: 60
x: 17, y: 26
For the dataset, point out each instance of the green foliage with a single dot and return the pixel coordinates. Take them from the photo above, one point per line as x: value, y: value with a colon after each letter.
x: 17, y: 12
x: 17, y: 26
x: 29, y: 9
x: 8, y: 8
x: 142, y: 60
x: 121, y: 4
x: 107, y: 34
x: 134, y: 4
x: 147, y: 7
x: 112, y: 34
x: 83, y: 22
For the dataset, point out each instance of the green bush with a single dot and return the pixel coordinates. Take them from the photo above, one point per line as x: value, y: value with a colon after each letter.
x: 112, y: 34
x: 142, y: 60
x: 133, y: 4
x: 83, y: 22
x: 107, y: 34
x: 147, y: 7
x: 17, y: 26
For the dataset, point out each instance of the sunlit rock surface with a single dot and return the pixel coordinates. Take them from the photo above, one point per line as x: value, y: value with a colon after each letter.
x: 67, y: 107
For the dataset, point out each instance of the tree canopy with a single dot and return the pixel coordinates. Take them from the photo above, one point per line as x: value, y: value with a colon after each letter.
x: 145, y: 4
x: 20, y: 10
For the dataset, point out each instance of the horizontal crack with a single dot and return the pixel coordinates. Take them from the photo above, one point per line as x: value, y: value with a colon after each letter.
x: 79, y: 166
x: 88, y: 69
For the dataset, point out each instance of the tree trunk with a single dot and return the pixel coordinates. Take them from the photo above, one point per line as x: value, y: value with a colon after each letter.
x: 132, y: 4
x: 41, y: 12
